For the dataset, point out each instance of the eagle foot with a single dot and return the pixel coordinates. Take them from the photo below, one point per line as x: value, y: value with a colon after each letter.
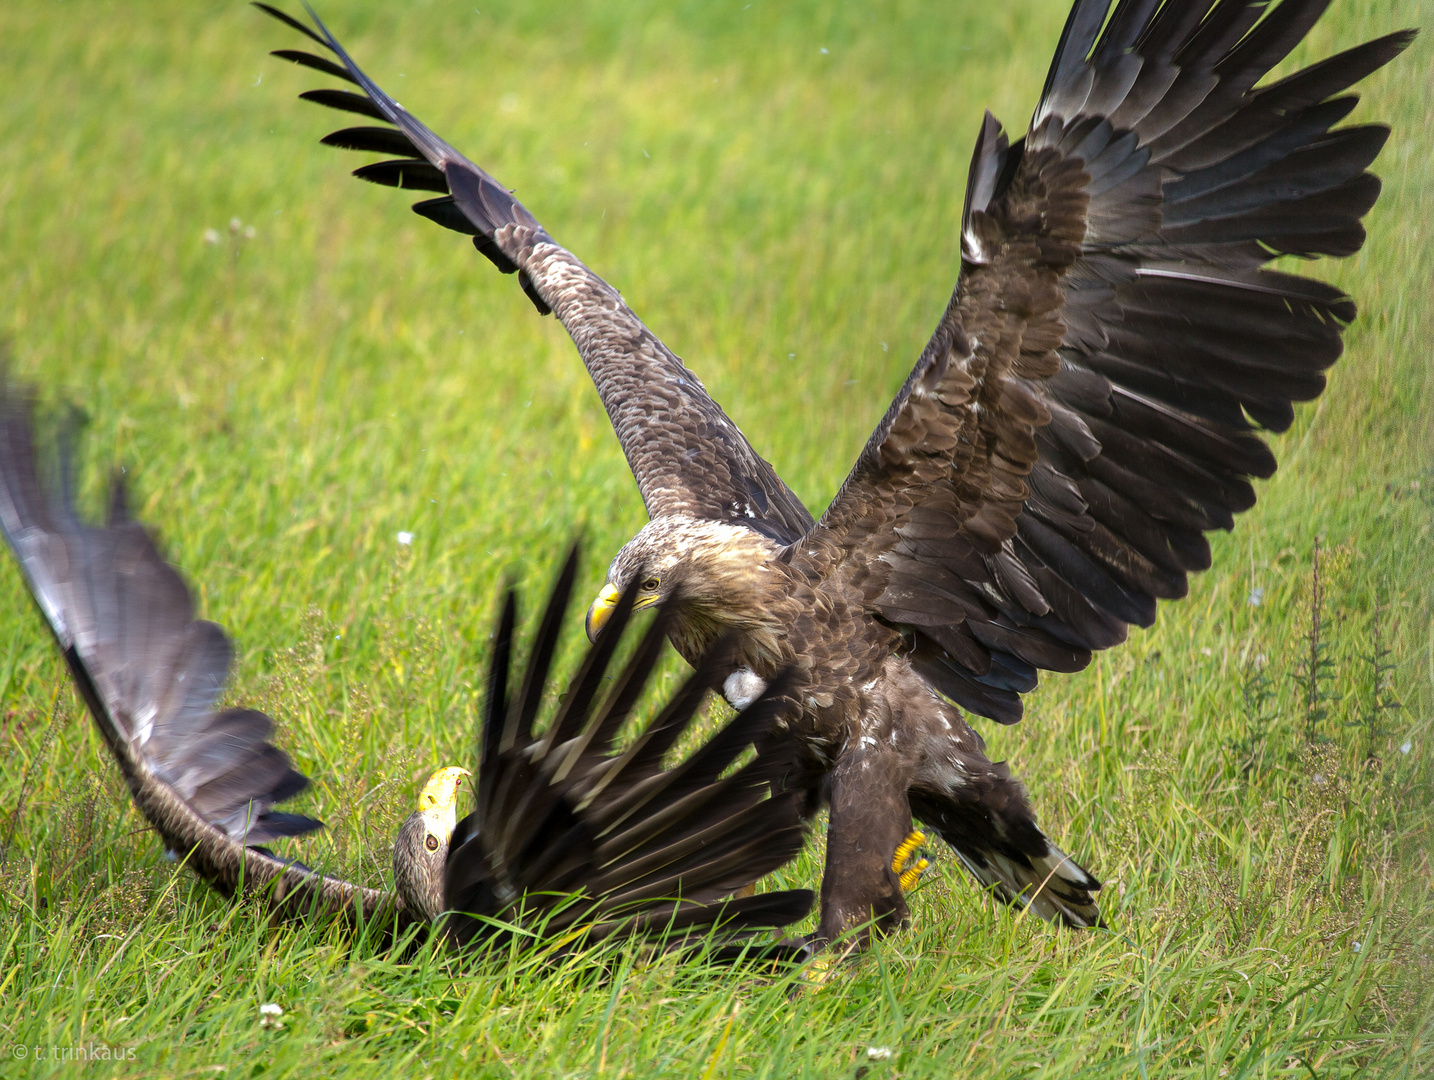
x: 821, y: 967
x: 909, y: 875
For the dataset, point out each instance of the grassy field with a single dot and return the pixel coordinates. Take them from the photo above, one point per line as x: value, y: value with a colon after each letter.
x: 775, y: 188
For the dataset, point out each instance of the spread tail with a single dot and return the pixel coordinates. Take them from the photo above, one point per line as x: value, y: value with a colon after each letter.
x: 992, y: 829
x: 1053, y: 885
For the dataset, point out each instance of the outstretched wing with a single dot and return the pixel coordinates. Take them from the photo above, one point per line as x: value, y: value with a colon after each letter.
x: 149, y: 671
x: 570, y: 829
x: 685, y: 454
x: 1089, y: 405
x: 207, y: 779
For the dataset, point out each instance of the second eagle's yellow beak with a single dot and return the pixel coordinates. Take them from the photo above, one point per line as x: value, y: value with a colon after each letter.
x: 601, y: 611
x: 438, y: 806
x: 440, y: 794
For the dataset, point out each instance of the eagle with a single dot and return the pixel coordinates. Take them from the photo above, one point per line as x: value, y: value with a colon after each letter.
x: 1089, y: 406
x: 580, y: 829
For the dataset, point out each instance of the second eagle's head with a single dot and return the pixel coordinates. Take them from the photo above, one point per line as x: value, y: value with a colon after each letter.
x: 421, y: 850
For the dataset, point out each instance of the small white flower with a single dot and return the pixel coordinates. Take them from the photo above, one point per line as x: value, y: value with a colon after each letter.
x: 824, y: 52
x: 1207, y: 651
x: 235, y: 225
x: 405, y: 538
x: 270, y: 1014
x: 211, y: 236
x: 1256, y: 597
x: 1406, y: 746
x: 878, y: 1053
x: 1357, y: 946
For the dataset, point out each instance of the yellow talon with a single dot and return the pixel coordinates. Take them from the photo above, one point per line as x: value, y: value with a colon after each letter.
x: 818, y: 970
x: 908, y: 876
x: 913, y: 841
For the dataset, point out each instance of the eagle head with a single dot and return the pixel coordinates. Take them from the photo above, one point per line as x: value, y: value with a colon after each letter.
x: 421, y: 850
x: 720, y: 574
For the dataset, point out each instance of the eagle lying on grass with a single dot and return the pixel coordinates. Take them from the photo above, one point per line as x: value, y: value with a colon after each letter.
x: 1087, y: 409
x: 570, y: 835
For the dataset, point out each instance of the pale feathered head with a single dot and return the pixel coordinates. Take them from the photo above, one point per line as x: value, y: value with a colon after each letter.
x: 713, y: 568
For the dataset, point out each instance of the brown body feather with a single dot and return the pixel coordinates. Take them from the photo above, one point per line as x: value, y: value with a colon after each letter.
x: 878, y: 742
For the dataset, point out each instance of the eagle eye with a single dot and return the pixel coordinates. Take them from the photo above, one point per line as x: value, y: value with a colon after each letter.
x: 650, y: 585
x: 431, y: 843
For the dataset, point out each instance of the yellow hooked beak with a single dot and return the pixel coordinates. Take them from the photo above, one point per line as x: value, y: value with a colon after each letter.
x: 601, y: 609
x: 441, y: 792
x: 438, y: 805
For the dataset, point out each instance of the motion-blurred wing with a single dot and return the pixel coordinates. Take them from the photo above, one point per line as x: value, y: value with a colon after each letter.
x: 1089, y: 405
x: 643, y: 847
x: 685, y: 454
x: 149, y: 671
x: 206, y: 779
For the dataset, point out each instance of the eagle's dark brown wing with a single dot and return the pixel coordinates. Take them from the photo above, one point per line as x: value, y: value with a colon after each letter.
x: 648, y: 848
x: 684, y: 452
x: 150, y: 673
x: 1089, y: 405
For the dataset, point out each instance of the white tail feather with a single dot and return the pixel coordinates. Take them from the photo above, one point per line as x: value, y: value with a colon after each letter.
x: 1062, y: 890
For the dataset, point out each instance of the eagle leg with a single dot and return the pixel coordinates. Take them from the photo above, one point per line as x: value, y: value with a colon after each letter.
x: 870, y: 819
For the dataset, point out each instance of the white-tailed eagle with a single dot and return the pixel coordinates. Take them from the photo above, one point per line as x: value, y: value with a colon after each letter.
x: 1089, y: 406
x: 576, y: 831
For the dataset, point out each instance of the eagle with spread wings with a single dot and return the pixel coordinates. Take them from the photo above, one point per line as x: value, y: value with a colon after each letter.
x: 578, y: 831
x: 1089, y: 407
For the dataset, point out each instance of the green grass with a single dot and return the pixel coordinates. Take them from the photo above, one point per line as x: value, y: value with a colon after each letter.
x: 786, y: 219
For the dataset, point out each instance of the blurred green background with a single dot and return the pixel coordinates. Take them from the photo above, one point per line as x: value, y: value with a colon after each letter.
x: 775, y: 188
